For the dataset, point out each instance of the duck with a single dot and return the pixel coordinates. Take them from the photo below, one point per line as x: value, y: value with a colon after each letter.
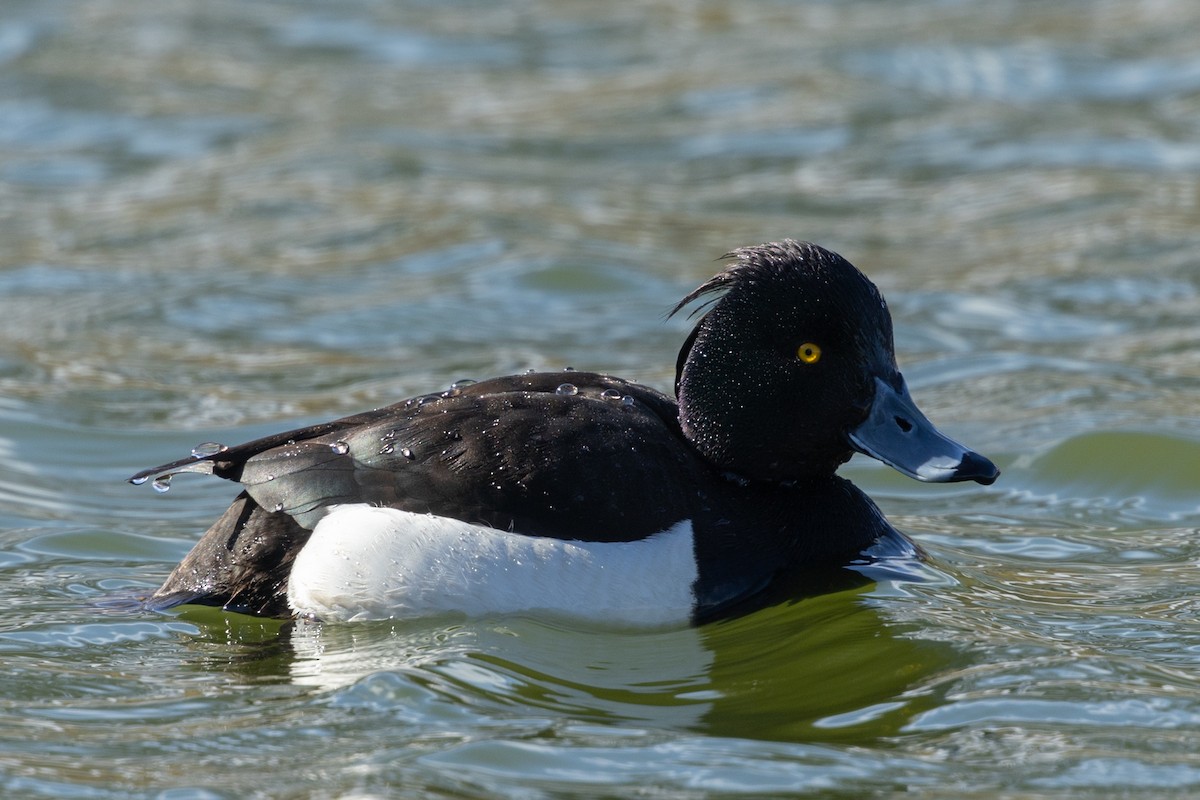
x: 587, y: 495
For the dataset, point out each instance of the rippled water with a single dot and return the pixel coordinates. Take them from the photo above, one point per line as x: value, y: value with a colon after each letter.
x: 223, y: 218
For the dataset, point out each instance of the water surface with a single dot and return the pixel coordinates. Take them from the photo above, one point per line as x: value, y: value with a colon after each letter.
x: 223, y: 219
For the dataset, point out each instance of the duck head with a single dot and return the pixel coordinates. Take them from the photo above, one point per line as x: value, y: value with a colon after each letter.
x: 792, y: 369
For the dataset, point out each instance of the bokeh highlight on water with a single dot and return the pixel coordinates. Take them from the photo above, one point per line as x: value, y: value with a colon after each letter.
x: 221, y: 219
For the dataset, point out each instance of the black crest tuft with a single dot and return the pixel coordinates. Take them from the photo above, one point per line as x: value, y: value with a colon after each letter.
x: 757, y: 262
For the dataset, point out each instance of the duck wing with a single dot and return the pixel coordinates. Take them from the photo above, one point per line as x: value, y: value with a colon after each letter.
x: 570, y: 455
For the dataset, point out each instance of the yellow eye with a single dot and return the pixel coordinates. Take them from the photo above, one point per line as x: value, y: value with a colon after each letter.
x: 809, y: 353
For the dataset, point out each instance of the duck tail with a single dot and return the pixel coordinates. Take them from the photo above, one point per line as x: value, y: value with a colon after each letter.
x: 240, y: 564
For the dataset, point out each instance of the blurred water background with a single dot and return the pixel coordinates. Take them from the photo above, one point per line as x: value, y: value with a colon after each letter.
x: 221, y: 218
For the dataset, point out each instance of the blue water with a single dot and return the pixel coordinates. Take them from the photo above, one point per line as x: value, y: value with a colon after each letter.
x: 220, y: 220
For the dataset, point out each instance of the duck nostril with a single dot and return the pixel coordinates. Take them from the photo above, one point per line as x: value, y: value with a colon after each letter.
x: 903, y: 424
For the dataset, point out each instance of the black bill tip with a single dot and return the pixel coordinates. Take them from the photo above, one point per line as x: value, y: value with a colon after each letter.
x: 975, y: 467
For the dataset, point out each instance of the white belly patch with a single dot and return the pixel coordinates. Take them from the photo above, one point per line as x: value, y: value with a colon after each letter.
x: 364, y: 562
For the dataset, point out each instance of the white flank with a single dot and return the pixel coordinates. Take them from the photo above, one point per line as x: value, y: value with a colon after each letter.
x: 364, y: 562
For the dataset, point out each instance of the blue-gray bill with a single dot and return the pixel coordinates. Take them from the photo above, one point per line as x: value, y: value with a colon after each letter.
x: 898, y: 434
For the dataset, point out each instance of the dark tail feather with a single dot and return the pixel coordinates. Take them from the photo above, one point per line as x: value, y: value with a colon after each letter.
x: 241, y: 563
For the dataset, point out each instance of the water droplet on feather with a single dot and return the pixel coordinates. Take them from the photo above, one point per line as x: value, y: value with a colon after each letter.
x: 567, y: 389
x: 208, y: 449
x: 341, y: 448
x: 457, y: 387
x: 162, y: 483
x: 611, y: 394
